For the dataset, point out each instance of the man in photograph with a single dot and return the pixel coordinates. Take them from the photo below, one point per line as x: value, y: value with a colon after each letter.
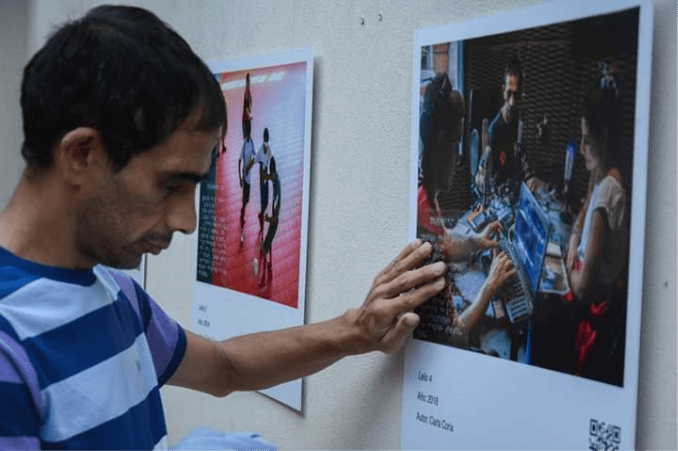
x: 508, y: 164
x: 245, y: 163
x: 264, y: 157
x: 273, y: 220
x: 120, y: 120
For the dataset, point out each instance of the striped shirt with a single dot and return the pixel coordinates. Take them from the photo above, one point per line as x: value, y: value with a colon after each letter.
x: 82, y: 357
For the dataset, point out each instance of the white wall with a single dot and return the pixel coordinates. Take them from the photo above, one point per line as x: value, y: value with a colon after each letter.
x: 13, y: 27
x: 360, y: 148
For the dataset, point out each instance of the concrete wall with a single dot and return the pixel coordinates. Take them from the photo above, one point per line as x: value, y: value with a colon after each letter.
x: 14, y: 37
x: 360, y: 148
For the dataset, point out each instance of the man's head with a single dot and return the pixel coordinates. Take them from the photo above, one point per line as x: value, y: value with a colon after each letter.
x: 121, y: 215
x: 119, y: 110
x: 266, y: 135
x: 121, y: 71
x: 441, y: 131
x: 511, y: 85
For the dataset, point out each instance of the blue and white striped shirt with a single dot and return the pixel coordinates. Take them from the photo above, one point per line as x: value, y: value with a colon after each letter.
x: 82, y: 357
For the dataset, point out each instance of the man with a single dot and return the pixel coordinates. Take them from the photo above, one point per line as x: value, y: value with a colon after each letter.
x: 120, y: 118
x: 247, y: 110
x: 507, y: 159
x: 245, y: 163
x: 247, y: 154
x: 264, y: 156
x: 273, y: 220
x: 441, y: 128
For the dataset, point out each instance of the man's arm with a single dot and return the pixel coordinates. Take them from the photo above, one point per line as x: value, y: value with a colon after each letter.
x: 250, y: 161
x: 260, y: 360
x: 19, y: 419
x: 240, y: 171
x: 460, y: 247
x: 500, y: 271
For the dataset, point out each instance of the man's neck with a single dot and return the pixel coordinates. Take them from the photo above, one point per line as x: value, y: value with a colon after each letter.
x: 38, y: 226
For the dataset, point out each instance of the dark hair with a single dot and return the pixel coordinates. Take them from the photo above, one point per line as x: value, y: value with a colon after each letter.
x: 602, y: 116
x: 122, y: 71
x: 266, y: 134
x: 440, y: 127
x: 514, y: 68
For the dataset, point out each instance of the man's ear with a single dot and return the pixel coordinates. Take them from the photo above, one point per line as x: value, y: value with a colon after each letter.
x: 80, y: 153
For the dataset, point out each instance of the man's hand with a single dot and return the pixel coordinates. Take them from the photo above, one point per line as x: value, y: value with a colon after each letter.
x: 534, y: 184
x: 486, y: 238
x: 485, y: 135
x: 500, y: 271
x: 264, y: 359
x: 386, y: 318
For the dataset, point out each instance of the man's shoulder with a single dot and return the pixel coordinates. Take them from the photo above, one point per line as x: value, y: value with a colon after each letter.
x: 117, y: 278
x: 25, y: 278
x: 117, y: 281
x: 13, y: 278
x: 493, y: 123
x: 249, y: 147
x: 500, y: 126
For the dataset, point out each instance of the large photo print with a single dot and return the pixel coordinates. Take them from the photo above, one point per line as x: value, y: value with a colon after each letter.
x: 249, y: 261
x: 525, y: 175
x: 251, y: 205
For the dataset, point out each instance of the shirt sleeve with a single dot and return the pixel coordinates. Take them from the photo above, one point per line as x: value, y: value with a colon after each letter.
x: 166, y: 339
x: 19, y: 415
x: 612, y: 200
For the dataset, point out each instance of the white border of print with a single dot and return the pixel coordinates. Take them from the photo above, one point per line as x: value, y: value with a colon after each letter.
x: 493, y: 403
x: 229, y: 312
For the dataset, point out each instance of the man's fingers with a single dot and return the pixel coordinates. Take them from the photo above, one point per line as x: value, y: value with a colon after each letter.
x: 414, y: 252
x: 492, y: 227
x: 409, y: 258
x: 507, y: 275
x: 408, y: 301
x: 408, y: 261
x: 397, y: 336
x: 407, y: 280
x: 507, y: 262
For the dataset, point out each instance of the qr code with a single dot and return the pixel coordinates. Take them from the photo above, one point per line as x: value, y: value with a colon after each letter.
x: 604, y: 436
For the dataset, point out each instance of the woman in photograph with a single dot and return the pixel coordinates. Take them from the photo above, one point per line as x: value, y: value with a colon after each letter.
x: 597, y: 256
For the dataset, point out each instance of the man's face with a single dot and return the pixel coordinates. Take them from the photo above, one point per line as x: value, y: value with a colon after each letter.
x: 137, y: 210
x: 511, y: 88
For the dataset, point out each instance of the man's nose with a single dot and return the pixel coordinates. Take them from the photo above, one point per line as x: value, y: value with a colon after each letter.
x: 181, y: 213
